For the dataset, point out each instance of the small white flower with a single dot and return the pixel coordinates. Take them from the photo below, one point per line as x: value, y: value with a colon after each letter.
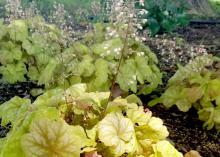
x: 141, y: 2
x: 166, y: 13
x: 134, y: 77
x: 144, y: 21
x: 142, y: 53
x: 139, y: 26
x: 131, y: 82
x: 143, y: 39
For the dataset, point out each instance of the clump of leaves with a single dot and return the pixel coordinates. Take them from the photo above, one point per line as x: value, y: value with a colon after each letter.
x: 47, y: 57
x: 32, y: 47
x: 75, y: 122
x: 117, y: 53
x: 164, y: 15
x: 196, y: 85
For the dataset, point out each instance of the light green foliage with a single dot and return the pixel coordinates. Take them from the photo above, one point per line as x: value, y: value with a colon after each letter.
x: 33, y: 53
x: 41, y: 54
x: 196, y: 85
x: 52, y: 139
x: 71, y: 122
x: 116, y: 132
x: 164, y: 148
x: 139, y: 63
x: 13, y: 109
x: 47, y: 73
x: 101, y: 78
x: 10, y: 52
x: 21, y: 127
x: 13, y: 72
x: 18, y: 30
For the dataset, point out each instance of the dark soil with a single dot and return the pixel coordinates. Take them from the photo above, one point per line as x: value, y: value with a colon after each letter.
x: 186, y: 131
x: 202, y: 34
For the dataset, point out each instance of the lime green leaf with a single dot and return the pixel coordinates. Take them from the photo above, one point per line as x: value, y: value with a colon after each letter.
x: 86, y: 67
x: 18, y: 30
x: 101, y: 80
x: 207, y: 115
x: 51, y: 97
x: 42, y: 58
x: 2, y: 142
x: 134, y: 99
x: 154, y: 130
x: 21, y: 126
x: 13, y: 73
x: 33, y: 73
x: 165, y: 149
x: 80, y: 49
x: 143, y: 69
x: 176, y: 95
x: 77, y: 90
x: 116, y: 132
x: 120, y: 105
x: 127, y: 76
x: 138, y: 116
x: 154, y: 102
x: 10, y: 52
x: 52, y: 138
x: 12, y: 109
x: 31, y: 48
x: 46, y: 75
x: 3, y: 31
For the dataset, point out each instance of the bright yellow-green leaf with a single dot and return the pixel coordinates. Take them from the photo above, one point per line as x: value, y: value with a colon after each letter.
x: 11, y: 110
x: 138, y: 116
x: 49, y: 138
x: 165, y: 149
x: 116, y: 132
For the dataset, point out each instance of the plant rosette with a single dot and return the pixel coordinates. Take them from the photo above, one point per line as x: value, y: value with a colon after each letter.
x: 74, y: 122
x: 196, y: 85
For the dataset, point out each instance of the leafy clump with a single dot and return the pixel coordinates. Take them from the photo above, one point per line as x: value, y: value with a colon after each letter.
x: 46, y: 56
x: 31, y: 46
x: 196, y: 85
x: 76, y: 122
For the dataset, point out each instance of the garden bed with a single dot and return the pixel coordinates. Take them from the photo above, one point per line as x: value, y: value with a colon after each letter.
x: 186, y: 131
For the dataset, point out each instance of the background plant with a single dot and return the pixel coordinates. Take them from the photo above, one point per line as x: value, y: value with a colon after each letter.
x: 163, y: 15
x: 50, y: 57
x: 196, y: 85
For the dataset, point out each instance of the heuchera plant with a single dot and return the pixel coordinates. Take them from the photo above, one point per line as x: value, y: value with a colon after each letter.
x: 43, y: 53
x: 196, y: 85
x: 74, y: 122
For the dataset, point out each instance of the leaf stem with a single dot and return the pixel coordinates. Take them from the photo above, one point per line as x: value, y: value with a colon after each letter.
x: 120, y: 62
